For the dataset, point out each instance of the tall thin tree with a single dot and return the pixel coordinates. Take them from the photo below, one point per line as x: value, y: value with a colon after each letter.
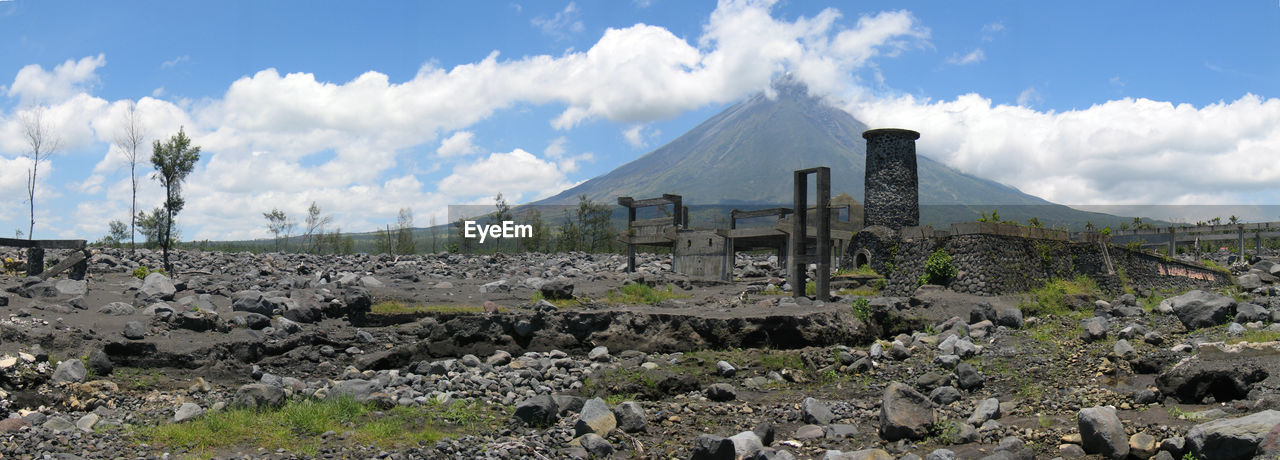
x: 173, y: 161
x: 128, y: 140
x: 41, y: 142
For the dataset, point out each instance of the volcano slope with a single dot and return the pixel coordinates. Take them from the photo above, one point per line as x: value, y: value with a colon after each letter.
x: 564, y: 355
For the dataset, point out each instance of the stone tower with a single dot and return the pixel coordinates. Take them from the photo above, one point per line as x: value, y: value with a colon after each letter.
x: 892, y: 195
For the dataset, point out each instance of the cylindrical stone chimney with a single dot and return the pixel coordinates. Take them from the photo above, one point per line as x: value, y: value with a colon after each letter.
x: 892, y: 192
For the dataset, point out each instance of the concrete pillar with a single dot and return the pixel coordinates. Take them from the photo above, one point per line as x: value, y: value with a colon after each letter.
x: 892, y: 185
x: 1242, y: 259
x: 1173, y: 242
x: 631, y: 248
x: 1257, y: 244
x: 796, y: 259
x: 824, y: 233
x: 35, y: 261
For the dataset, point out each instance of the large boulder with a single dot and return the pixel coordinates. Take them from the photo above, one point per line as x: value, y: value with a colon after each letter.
x: 556, y: 290
x: 905, y: 413
x: 538, y: 411
x: 158, y: 286
x: 1235, y: 438
x: 1102, y: 433
x: 70, y: 371
x: 258, y: 396
x: 814, y: 412
x: 595, y: 418
x: 1249, y: 281
x: 712, y: 447
x: 1225, y: 372
x: 1198, y: 309
x: 251, y: 301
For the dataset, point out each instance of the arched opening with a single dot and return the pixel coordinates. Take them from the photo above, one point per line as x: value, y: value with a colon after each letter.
x: 863, y: 257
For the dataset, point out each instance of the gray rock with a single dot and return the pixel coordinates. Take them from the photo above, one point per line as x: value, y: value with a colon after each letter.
x: 988, y: 409
x: 538, y: 411
x: 1249, y: 282
x: 253, y: 302
x: 133, y: 330
x: 71, y: 288
x: 766, y: 431
x: 745, y: 443
x: 58, y: 424
x: 945, y: 395
x: 898, y: 352
x: 941, y: 454
x: 712, y: 447
x: 721, y: 392
x: 358, y: 389
x: 815, y: 412
x: 1102, y: 433
x: 905, y: 413
x: 117, y: 309
x: 187, y: 411
x: 1176, y: 446
x: 597, y: 446
x: 1123, y: 350
x: 256, y: 321
x: 1094, y: 329
x: 100, y: 363
x: 258, y: 396
x: 725, y: 369
x: 599, y: 354
x: 1198, y: 309
x: 967, y: 377
x: 809, y: 432
x: 556, y: 290
x: 595, y: 418
x: 157, y: 285
x: 1142, y: 445
x: 631, y: 417
x: 70, y: 370
x: 87, y: 422
x: 495, y: 287
x: 840, y: 431
x: 1235, y: 438
x: 1247, y: 312
x: 1009, y: 317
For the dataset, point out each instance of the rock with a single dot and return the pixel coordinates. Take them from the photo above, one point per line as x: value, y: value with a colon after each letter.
x: 1123, y: 350
x: 1198, y: 309
x: 1235, y: 438
x: 1142, y: 445
x: 905, y: 413
x: 33, y: 288
x: 766, y: 431
x: 133, y: 330
x: 357, y: 300
x: 597, y: 446
x: 712, y: 447
x: 1094, y: 329
x: 70, y: 371
x: 100, y: 363
x: 117, y: 309
x: 967, y: 377
x: 745, y: 443
x: 595, y: 418
x: 1223, y: 376
x: 631, y: 417
x: 258, y: 396
x: 1102, y: 433
x: 1070, y: 451
x: 12, y: 425
x: 941, y: 454
x: 198, y: 321
x: 252, y: 302
x: 256, y: 321
x: 71, y: 288
x: 1175, y: 446
x: 945, y: 395
x: 157, y: 285
x: 87, y: 422
x: 58, y: 424
x: 1247, y: 312
x: 809, y: 432
x: 898, y: 352
x: 599, y: 354
x: 721, y: 392
x: 840, y: 430
x: 725, y: 369
x: 815, y: 412
x: 538, y: 411
x: 556, y: 290
x: 988, y: 409
x: 1010, y: 317
x: 495, y: 287
x: 187, y: 411
x: 1249, y: 282
x: 358, y: 389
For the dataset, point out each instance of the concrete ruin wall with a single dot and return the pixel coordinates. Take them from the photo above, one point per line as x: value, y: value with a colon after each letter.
x: 997, y: 264
x: 700, y: 254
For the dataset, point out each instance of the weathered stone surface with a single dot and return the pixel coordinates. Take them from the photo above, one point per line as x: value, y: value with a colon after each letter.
x: 187, y: 411
x: 631, y: 417
x: 258, y: 396
x: 595, y: 418
x: 721, y: 392
x: 1249, y: 282
x: 538, y: 411
x: 1102, y: 433
x: 1142, y: 445
x: 1225, y: 372
x: 70, y: 371
x: 157, y: 285
x: 815, y: 412
x: 71, y: 288
x: 1198, y: 309
x: 988, y: 409
x: 745, y: 443
x: 556, y: 290
x: 712, y: 447
x: 1235, y: 438
x: 1093, y: 329
x: 905, y: 413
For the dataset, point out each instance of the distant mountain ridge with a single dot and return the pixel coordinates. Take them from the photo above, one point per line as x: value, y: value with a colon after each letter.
x: 746, y: 155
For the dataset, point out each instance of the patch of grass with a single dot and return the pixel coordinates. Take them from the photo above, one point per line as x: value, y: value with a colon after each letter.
x: 619, y: 398
x: 862, y: 309
x: 298, y: 424
x: 773, y: 290
x: 1215, y: 267
x: 1177, y: 413
x: 142, y: 271
x: 946, y: 432
x: 861, y: 292
x: 1044, y: 421
x: 396, y: 307
x: 559, y: 303
x: 777, y: 360
x: 811, y: 288
x: 1257, y: 336
x: 632, y: 294
x: 1051, y: 299
x: 137, y: 379
x: 864, y: 270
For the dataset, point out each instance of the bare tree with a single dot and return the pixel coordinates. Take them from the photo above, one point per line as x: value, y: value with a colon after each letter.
x: 315, y: 227
x: 128, y: 140
x: 278, y: 223
x: 42, y: 142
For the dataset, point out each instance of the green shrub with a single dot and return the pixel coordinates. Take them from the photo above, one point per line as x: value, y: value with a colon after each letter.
x: 142, y: 271
x: 862, y: 309
x: 939, y: 269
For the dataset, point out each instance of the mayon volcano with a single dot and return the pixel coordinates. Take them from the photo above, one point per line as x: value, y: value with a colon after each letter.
x: 745, y: 156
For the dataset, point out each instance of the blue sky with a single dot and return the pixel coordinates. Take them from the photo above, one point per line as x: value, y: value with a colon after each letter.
x: 370, y: 108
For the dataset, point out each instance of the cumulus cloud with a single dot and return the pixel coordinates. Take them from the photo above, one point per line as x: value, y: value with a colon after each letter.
x: 637, y: 135
x: 519, y: 175
x: 458, y: 144
x: 1029, y: 97
x: 562, y: 23
x: 1126, y: 151
x: 33, y: 84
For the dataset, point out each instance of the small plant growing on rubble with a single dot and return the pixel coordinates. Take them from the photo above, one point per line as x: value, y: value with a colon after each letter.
x: 142, y: 271
x: 939, y: 269
x: 862, y: 309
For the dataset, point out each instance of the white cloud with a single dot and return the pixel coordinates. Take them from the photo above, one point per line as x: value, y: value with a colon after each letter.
x: 1127, y: 151
x: 990, y: 30
x: 637, y: 135
x: 460, y: 143
x: 561, y: 24
x: 34, y: 84
x: 973, y: 57
x: 1029, y: 97
x: 557, y: 147
x: 519, y: 175
x: 174, y: 62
